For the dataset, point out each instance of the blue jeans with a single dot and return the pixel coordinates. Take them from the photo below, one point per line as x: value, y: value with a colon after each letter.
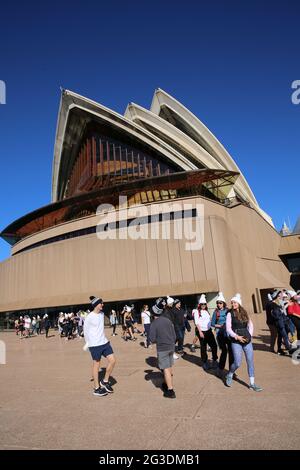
x: 180, y: 337
x: 238, y: 350
x: 282, y: 335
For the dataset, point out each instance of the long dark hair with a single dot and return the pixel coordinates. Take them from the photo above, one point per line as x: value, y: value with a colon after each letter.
x: 241, y: 314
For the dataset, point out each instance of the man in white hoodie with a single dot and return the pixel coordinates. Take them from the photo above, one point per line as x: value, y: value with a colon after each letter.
x: 99, y: 346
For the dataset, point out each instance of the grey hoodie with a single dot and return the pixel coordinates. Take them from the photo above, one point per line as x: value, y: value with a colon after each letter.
x: 162, y: 333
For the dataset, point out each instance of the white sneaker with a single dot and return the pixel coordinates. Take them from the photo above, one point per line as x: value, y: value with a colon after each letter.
x: 175, y: 356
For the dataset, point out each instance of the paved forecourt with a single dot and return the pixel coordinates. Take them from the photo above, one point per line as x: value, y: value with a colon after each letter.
x: 46, y: 400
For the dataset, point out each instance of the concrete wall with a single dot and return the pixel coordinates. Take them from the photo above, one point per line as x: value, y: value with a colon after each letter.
x: 240, y: 254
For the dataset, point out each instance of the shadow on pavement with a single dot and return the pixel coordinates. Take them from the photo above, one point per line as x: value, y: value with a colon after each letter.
x: 193, y: 359
x: 156, y: 377
x: 152, y: 361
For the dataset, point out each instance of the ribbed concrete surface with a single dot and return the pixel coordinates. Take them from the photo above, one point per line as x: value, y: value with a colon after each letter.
x: 46, y: 400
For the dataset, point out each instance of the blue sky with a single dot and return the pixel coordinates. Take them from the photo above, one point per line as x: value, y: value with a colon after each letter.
x: 230, y: 62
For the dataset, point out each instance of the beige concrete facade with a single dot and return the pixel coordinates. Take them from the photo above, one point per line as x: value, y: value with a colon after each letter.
x: 240, y: 253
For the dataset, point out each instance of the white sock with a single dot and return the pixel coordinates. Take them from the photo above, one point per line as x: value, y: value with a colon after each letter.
x: 230, y: 374
x: 252, y: 381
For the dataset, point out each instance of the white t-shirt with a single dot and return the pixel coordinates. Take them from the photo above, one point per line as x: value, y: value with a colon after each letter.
x: 93, y: 329
x: 146, y: 317
x: 27, y: 323
x: 202, y: 320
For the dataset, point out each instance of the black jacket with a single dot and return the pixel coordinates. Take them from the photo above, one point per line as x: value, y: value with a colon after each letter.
x: 178, y: 315
x: 278, y: 314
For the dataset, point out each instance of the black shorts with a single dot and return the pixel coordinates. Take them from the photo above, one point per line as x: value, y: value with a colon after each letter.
x: 98, y: 351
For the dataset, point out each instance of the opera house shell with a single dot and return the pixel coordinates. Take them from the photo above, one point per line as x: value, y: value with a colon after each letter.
x: 160, y: 156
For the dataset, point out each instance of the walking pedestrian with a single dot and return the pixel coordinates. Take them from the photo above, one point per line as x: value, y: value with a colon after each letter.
x: 46, y: 325
x: 179, y: 324
x: 271, y: 323
x: 99, y: 346
x: 219, y: 323
x: 240, y: 328
x: 38, y: 325
x: 27, y: 326
x: 205, y: 334
x: 113, y: 321
x: 146, y: 322
x: 162, y: 333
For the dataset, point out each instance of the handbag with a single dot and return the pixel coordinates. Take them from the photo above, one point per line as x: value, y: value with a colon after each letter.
x: 245, y: 333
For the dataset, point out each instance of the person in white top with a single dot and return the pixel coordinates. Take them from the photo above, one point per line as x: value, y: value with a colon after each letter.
x: 146, y: 322
x: 27, y: 325
x: 204, y: 332
x: 240, y: 329
x: 99, y: 346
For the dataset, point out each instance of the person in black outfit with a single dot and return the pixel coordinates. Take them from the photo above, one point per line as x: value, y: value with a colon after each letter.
x: 46, y: 324
x: 271, y: 323
x: 179, y: 324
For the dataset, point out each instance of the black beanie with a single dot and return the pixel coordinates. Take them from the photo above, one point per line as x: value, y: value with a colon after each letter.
x: 95, y: 301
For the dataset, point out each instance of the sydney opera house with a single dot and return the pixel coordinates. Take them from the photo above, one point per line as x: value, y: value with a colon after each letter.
x: 164, y: 157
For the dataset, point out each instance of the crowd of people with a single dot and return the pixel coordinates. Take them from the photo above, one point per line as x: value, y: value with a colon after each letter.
x: 283, y: 319
x: 26, y: 327
x: 226, y: 333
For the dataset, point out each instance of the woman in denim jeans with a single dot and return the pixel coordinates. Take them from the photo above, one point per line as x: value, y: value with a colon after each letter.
x: 240, y: 328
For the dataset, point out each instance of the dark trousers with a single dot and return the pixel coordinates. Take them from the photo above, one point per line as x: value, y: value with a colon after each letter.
x: 225, y: 346
x: 296, y: 321
x: 147, y: 331
x: 180, y: 337
x: 274, y: 334
x: 114, y: 326
x: 47, y: 331
x: 208, y: 339
x: 282, y: 335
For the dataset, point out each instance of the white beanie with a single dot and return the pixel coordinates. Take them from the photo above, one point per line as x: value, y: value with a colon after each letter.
x: 237, y: 298
x: 202, y: 299
x: 292, y: 293
x: 170, y: 301
x: 270, y: 297
x: 221, y: 298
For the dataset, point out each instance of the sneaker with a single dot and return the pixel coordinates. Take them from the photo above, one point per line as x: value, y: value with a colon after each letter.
x: 181, y: 351
x: 228, y: 380
x: 292, y: 350
x: 100, y: 392
x: 255, y: 388
x: 107, y: 386
x: 175, y: 356
x: 169, y: 394
x: 192, y: 348
x: 281, y: 353
x: 164, y: 386
x: 215, y: 364
x: 205, y: 366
